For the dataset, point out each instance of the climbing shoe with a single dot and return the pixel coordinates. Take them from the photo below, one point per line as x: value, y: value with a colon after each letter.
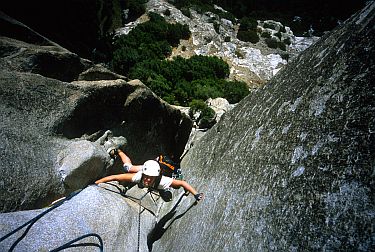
x: 113, y: 152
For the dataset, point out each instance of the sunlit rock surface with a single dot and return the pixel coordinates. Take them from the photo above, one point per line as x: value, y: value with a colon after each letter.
x: 291, y: 167
x: 99, y: 210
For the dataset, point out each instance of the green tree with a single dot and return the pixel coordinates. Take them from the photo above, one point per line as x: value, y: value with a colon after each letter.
x: 146, y: 42
x: 141, y: 55
x: 234, y: 91
x: 124, y: 59
x: 159, y: 85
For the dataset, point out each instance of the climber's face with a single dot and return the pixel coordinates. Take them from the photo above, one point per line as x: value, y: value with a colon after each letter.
x: 148, y: 181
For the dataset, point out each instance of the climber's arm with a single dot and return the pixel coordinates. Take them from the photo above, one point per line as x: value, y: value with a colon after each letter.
x: 127, y: 177
x: 128, y: 166
x: 180, y: 183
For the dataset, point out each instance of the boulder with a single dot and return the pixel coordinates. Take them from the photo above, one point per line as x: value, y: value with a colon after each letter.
x: 31, y: 106
x: 291, y: 167
x: 120, y: 222
x: 80, y: 163
x: 220, y: 106
x: 42, y: 117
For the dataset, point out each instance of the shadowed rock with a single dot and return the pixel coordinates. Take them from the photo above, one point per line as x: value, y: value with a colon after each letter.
x: 291, y: 167
x: 24, y: 50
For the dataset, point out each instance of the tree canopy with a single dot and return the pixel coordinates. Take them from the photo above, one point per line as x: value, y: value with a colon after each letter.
x: 142, y: 55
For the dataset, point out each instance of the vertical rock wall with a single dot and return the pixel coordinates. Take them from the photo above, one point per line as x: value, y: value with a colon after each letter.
x: 291, y: 168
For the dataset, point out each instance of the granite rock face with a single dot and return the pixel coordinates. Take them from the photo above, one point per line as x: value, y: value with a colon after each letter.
x: 291, y: 167
x: 50, y: 121
x: 41, y: 117
x: 97, y: 209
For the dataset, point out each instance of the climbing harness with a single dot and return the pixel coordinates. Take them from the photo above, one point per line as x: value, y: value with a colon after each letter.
x: 31, y: 222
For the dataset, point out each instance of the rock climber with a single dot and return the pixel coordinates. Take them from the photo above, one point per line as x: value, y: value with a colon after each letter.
x: 148, y: 175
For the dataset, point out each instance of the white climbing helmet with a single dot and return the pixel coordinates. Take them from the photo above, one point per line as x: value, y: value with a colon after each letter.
x: 151, y: 168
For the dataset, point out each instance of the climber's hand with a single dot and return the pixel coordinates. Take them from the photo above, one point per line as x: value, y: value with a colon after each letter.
x: 199, y: 196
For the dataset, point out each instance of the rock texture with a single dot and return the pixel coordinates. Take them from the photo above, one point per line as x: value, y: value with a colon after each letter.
x: 50, y: 121
x: 99, y: 72
x: 80, y: 162
x: 291, y: 167
x: 41, y: 117
x: 100, y: 210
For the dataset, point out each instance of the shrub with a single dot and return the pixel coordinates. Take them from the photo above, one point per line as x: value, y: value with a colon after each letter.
x: 265, y: 34
x: 272, y: 43
x: 239, y: 54
x: 157, y: 50
x: 124, y: 58
x: 155, y: 17
x: 196, y: 106
x: 167, y: 12
x: 205, y: 88
x: 206, y: 118
x: 159, y: 85
x: 234, y: 91
x: 248, y: 24
x: 248, y: 36
x: 227, y: 15
x: 136, y: 9
x: 287, y: 41
x: 285, y: 56
x: 141, y: 55
x: 281, y: 45
x: 278, y: 34
x: 217, y: 27
x: 270, y: 26
x: 208, y: 67
x: 196, y: 77
x: 148, y: 41
x: 186, y: 12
